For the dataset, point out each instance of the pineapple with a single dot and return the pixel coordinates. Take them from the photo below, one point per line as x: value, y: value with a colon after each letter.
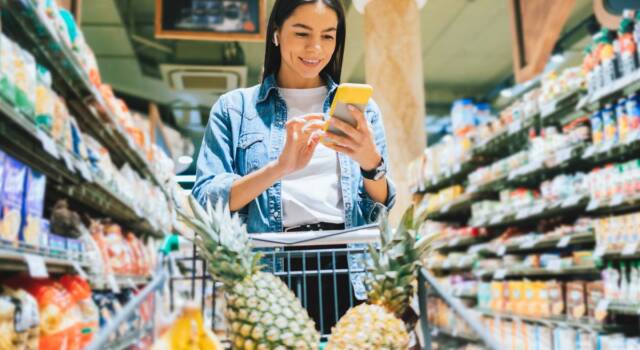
x: 261, y: 310
x: 377, y: 324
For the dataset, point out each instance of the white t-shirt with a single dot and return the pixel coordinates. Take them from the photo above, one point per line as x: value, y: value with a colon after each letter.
x: 312, y: 194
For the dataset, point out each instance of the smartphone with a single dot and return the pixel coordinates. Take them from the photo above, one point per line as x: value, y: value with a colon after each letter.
x: 347, y: 94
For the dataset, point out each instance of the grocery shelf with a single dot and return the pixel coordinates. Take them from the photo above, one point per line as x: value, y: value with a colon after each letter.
x: 555, y: 112
x: 621, y: 86
x: 624, y: 308
x: 91, y: 111
x: 466, y: 295
x: 130, y: 339
x: 13, y: 258
x: 607, y: 153
x: 456, y: 174
x: 439, y: 331
x: 510, y: 140
x: 117, y: 282
x: 501, y: 273
x: 459, y: 243
x: 448, y: 266
x: 459, y: 209
x: 543, y: 243
x: 562, y: 321
x: 67, y: 173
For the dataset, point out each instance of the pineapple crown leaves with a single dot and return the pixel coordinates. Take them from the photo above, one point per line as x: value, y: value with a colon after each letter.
x: 222, y: 241
x: 394, y: 267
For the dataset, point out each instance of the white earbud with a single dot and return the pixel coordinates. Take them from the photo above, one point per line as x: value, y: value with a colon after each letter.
x: 275, y: 39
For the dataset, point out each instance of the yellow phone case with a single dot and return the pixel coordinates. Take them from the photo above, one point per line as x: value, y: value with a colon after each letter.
x: 348, y: 94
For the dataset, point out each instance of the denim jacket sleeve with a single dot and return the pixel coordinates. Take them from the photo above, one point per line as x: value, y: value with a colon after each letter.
x: 215, y: 165
x: 368, y: 205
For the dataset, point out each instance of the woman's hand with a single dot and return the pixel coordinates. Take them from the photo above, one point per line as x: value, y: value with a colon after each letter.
x: 359, y: 142
x: 303, y: 136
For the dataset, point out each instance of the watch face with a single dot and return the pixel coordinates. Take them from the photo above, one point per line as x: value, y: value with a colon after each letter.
x: 380, y: 174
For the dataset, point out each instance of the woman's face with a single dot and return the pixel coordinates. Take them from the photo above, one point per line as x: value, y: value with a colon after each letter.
x: 307, y: 40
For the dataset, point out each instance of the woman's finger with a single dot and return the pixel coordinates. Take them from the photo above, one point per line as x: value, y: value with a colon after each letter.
x: 338, y: 148
x: 313, y: 126
x: 312, y: 116
x: 341, y: 140
x: 344, y: 127
x: 358, y: 116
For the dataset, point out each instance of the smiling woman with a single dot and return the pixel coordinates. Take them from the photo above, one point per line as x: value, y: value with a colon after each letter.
x: 263, y: 154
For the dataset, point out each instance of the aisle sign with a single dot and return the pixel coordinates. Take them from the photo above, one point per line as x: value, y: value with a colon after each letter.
x: 37, y: 266
x: 48, y: 144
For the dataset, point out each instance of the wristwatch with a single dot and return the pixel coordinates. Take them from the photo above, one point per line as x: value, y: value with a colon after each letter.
x: 377, y: 173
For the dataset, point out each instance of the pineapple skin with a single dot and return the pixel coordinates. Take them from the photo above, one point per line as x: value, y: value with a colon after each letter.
x: 264, y: 314
x: 369, y: 327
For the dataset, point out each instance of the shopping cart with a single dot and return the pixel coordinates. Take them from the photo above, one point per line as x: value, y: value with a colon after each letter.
x: 325, y: 271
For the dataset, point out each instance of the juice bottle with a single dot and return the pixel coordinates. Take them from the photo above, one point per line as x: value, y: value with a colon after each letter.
x: 588, y: 63
x: 623, y: 119
x: 628, y: 50
x: 596, y: 128
x: 610, y: 124
x: 610, y: 71
x: 636, y: 33
x: 633, y: 112
x: 598, y: 44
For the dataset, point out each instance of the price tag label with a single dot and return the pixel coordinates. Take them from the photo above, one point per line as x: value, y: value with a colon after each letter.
x: 131, y: 284
x: 616, y: 200
x: 446, y: 264
x: 502, y: 249
x: 445, y: 208
x: 454, y: 242
x: 593, y: 204
x: 79, y: 270
x: 456, y: 168
x: 68, y: 162
x: 599, y: 251
x: 528, y: 244
x: 515, y: 127
x: 472, y: 188
x: 500, y: 274
x: 589, y: 152
x: 555, y: 265
x: 602, y: 309
x: 547, y: 109
x: 630, y: 248
x: 564, y: 242
x: 522, y: 213
x: 113, y: 284
x: 496, y: 219
x: 48, y: 144
x: 563, y: 155
x: 539, y: 208
x: 37, y: 266
x: 571, y: 201
x: 84, y: 170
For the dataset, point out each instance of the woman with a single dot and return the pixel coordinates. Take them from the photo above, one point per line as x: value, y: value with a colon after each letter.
x: 262, y: 151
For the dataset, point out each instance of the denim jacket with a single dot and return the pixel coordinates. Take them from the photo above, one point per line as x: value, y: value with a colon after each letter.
x: 246, y: 130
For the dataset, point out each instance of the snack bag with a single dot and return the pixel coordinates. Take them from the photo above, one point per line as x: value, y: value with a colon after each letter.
x: 25, y: 320
x: 7, y: 74
x: 80, y: 291
x: 13, y: 191
x: 33, y: 207
x: 25, y: 80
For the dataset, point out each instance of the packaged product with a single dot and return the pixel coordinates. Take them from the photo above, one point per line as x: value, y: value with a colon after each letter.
x: 7, y: 74
x: 597, y: 128
x: 13, y: 192
x: 80, y: 291
x: 595, y: 293
x: 57, y: 243
x: 33, y: 207
x: 610, y: 70
x: 25, y: 322
x: 609, y: 124
x: 555, y: 293
x: 45, y: 100
x: 25, y: 81
x: 576, y: 303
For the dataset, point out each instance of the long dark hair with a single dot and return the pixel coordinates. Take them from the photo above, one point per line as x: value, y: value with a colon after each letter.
x: 281, y: 11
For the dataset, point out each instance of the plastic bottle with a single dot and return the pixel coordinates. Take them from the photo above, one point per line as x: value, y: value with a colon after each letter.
x: 611, y: 288
x: 623, y: 119
x: 609, y: 124
x: 588, y: 64
x: 598, y: 43
x: 636, y: 33
x: 634, y: 290
x: 633, y: 112
x: 610, y: 69
x: 628, y: 50
x: 597, y: 131
x: 624, y: 282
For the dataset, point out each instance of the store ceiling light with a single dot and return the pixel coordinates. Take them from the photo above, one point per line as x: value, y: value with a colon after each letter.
x: 186, y: 160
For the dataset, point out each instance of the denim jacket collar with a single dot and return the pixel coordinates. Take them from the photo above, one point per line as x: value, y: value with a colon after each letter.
x: 270, y: 84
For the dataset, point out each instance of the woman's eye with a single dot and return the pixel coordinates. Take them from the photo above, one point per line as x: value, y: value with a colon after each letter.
x: 302, y: 35
x: 328, y: 37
